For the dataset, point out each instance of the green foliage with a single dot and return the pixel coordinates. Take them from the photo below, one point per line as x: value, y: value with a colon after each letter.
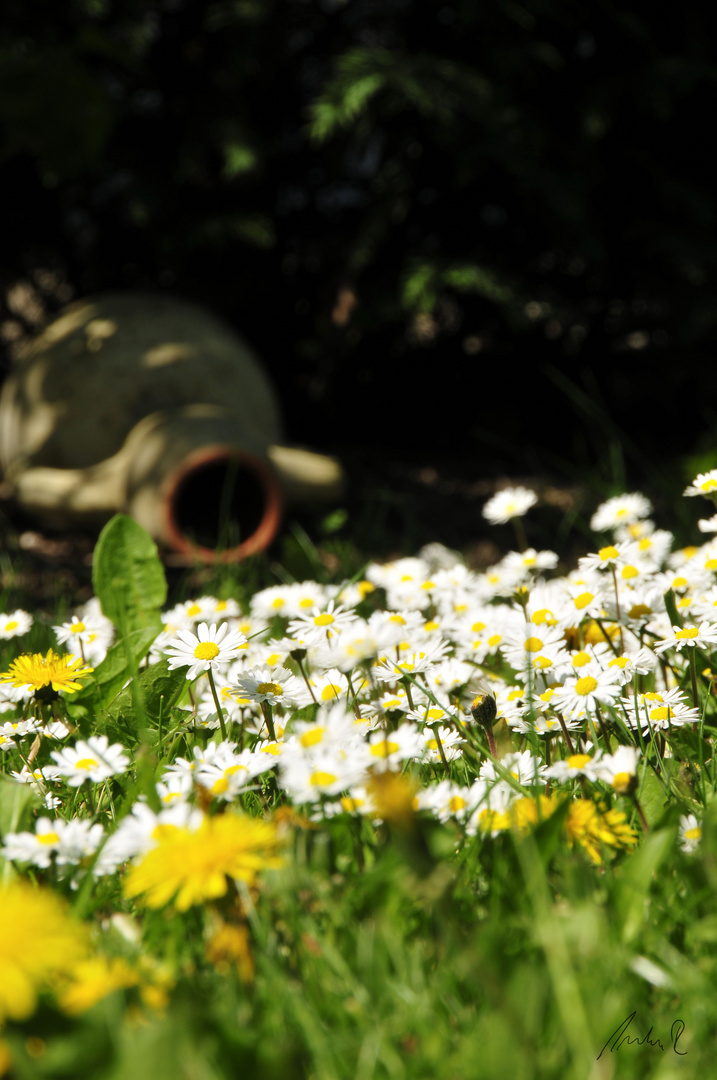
x: 128, y: 576
x: 16, y: 801
x: 159, y: 689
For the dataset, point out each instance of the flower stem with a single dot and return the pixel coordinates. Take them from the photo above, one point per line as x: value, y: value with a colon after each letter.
x: 643, y: 819
x: 520, y: 535
x: 693, y: 675
x: 441, y: 751
x: 306, y: 679
x: 617, y: 607
x: 566, y: 733
x: 220, y: 712
x: 266, y: 710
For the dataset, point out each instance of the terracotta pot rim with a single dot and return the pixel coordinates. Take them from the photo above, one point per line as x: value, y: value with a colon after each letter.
x: 273, y: 505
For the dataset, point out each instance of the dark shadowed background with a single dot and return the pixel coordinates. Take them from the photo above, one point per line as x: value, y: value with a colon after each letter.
x: 469, y: 239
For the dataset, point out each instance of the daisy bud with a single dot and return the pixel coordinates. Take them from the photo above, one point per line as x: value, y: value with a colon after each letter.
x: 483, y: 707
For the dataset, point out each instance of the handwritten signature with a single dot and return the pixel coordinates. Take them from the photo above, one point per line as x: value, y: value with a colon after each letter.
x: 620, y: 1037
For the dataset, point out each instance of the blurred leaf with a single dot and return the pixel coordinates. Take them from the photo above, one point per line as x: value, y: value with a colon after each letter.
x: 16, y: 800
x: 634, y: 878
x: 128, y: 577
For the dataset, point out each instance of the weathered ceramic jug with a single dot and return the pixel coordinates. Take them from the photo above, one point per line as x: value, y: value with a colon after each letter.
x: 152, y: 406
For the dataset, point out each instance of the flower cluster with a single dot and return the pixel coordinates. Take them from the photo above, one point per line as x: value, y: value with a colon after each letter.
x: 484, y: 699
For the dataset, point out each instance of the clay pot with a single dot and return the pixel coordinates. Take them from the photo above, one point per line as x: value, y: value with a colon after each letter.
x: 152, y: 406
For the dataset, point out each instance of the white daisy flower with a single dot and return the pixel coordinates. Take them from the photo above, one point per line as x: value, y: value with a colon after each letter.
x: 660, y: 709
x: 206, y: 649
x: 93, y: 759
x: 708, y: 525
x: 276, y: 686
x: 619, y: 511
x: 579, y: 695
x: 15, y: 624
x: 702, y: 635
x: 508, y: 504
x: 612, y: 555
x: 619, y: 769
x: 575, y: 765
x: 690, y: 833
x: 316, y: 627
x: 703, y: 484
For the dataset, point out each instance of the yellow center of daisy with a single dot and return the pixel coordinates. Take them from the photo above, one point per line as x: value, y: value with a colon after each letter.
x: 274, y: 688
x: 456, y: 803
x: 435, y: 714
x: 543, y: 615
x: 307, y: 602
x: 583, y: 600
x: 542, y: 662
x: 580, y: 659
x: 277, y: 603
x: 86, y: 763
x: 621, y: 781
x: 350, y: 805
x: 686, y: 634
x: 693, y: 834
x: 330, y: 692
x: 206, y: 650
x: 323, y: 620
x: 619, y: 661
x: 194, y: 609
x: 533, y: 644
x: 585, y: 686
x: 653, y: 695
x: 679, y: 583
x: 638, y: 611
x: 629, y: 572
x: 12, y: 625
x: 48, y: 838
x: 578, y: 761
x: 709, y: 485
x: 495, y: 639
x: 477, y: 627
x: 609, y: 552
x: 322, y: 779
x: 312, y: 737
x: 383, y: 749
x: 662, y: 712
x: 77, y: 628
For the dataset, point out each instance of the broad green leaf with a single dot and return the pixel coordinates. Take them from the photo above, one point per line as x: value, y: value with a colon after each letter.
x: 128, y: 577
x: 159, y: 688
x: 15, y: 802
x: 634, y: 879
x: 110, y: 676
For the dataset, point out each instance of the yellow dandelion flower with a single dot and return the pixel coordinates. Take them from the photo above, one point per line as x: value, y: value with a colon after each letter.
x: 93, y: 979
x: 38, y: 672
x: 43, y: 942
x: 190, y: 867
x: 229, y: 947
x: 393, y: 797
x: 592, y: 828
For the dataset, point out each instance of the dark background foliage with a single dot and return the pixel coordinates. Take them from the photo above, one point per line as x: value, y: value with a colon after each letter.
x: 477, y: 230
